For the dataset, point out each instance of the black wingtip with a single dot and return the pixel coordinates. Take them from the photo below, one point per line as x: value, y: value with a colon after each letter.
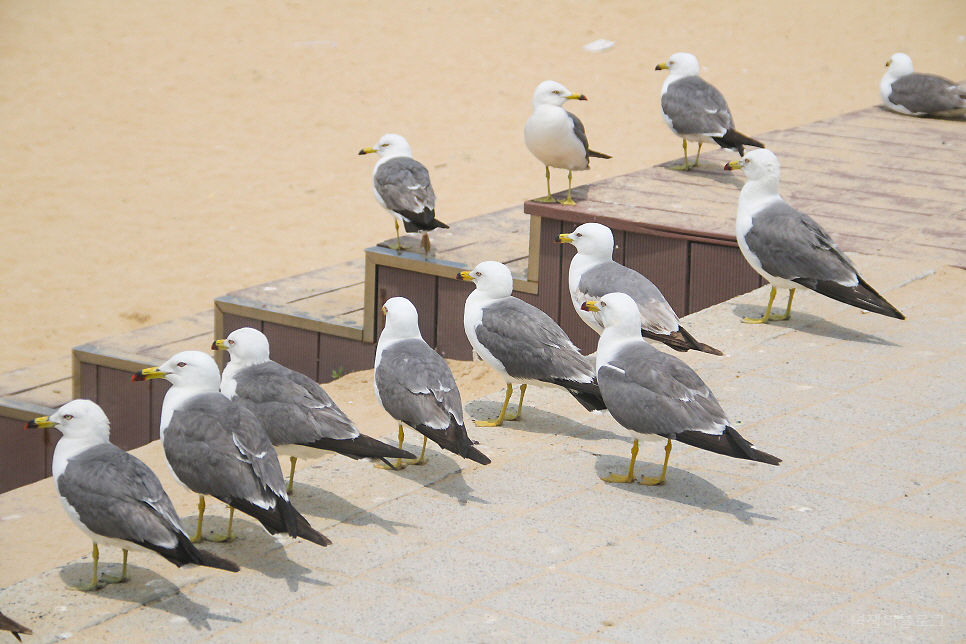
x: 861, y: 296
x: 728, y: 443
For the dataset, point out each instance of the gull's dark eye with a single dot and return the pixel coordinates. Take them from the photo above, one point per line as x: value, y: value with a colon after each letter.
x: 479, y: 274
x: 67, y: 416
x: 231, y: 342
x: 182, y: 364
x: 578, y: 234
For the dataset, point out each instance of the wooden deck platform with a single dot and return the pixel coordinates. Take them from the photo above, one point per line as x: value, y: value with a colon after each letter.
x: 880, y: 183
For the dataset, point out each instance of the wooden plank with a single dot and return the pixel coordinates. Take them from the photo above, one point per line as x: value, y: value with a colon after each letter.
x: 128, y: 406
x: 88, y: 381
x: 897, y: 166
x: 23, y: 458
x: 816, y: 136
x: 339, y: 356
x: 551, y: 277
x: 158, y: 387
x: 718, y: 273
x: 294, y: 348
x: 451, y: 339
x: 418, y: 288
x: 919, y: 138
x: 665, y: 262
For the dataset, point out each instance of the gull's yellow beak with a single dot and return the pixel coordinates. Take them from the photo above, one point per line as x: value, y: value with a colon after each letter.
x: 367, y: 150
x: 734, y: 165
x: 661, y: 66
x: 577, y: 97
x: 43, y: 421
x: 565, y: 239
x: 219, y: 345
x: 149, y: 374
x: 466, y: 276
x: 888, y: 62
x: 590, y: 305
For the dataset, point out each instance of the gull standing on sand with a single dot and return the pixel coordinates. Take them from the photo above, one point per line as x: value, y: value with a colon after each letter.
x: 301, y: 420
x: 556, y: 137
x: 401, y: 185
x: 112, y: 496
x: 217, y: 447
x: 416, y: 387
x: 522, y: 343
x: 695, y: 110
x: 654, y: 393
x: 789, y: 249
x: 594, y: 274
x: 907, y: 92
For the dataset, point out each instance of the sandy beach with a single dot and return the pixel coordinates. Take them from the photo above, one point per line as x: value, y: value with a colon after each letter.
x: 157, y: 155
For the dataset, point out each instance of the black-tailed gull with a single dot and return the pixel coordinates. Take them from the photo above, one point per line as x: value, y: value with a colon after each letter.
x: 114, y: 498
x: 15, y: 629
x: 789, y: 249
x: 401, y: 185
x: 907, y: 92
x: 695, y: 110
x: 415, y: 385
x: 521, y: 342
x: 594, y: 274
x: 557, y: 137
x: 217, y: 447
x: 301, y: 420
x: 654, y: 393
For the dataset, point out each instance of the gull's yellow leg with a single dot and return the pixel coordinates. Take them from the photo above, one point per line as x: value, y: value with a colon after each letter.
x: 228, y: 536
x: 516, y: 416
x: 617, y: 478
x: 94, y: 585
x: 291, y: 476
x: 201, y: 516
x: 685, y: 166
x: 549, y: 198
x: 498, y: 421
x: 422, y: 456
x: 123, y: 577
x: 398, y: 239
x: 698, y: 155
x: 399, y: 462
x: 764, y: 319
x: 788, y: 309
x: 647, y: 480
x: 570, y: 182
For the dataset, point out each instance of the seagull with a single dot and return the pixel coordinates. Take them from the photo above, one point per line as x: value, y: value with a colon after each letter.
x: 300, y: 419
x: 789, y: 249
x: 401, y: 185
x: 695, y: 110
x: 112, y: 497
x: 415, y: 385
x: 907, y: 92
x: 593, y: 274
x: 217, y: 447
x: 522, y: 343
x: 556, y: 137
x: 654, y: 393
x: 15, y: 629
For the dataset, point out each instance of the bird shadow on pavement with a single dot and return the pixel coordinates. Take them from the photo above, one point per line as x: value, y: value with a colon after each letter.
x: 539, y: 421
x: 813, y: 325
x: 316, y: 502
x: 680, y: 486
x: 272, y: 560
x: 148, y: 589
x: 707, y: 169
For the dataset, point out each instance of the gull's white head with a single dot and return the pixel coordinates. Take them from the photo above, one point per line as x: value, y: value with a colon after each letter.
x: 246, y: 345
x: 592, y: 239
x: 758, y: 164
x: 553, y: 93
x: 79, y: 418
x: 492, y: 278
x: 617, y: 310
x: 899, y: 65
x: 390, y: 145
x: 189, y: 369
x: 402, y: 319
x: 681, y: 64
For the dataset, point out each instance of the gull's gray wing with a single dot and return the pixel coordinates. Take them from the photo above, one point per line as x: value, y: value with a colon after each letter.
x: 530, y: 344
x: 116, y: 495
x: 657, y: 315
x: 695, y: 106
x: 927, y: 94
x: 217, y: 447
x: 580, y: 133
x: 655, y: 393
x: 792, y: 245
x: 404, y: 186
x: 292, y: 407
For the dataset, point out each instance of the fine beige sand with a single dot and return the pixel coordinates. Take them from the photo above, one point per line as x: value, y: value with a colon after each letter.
x: 157, y: 155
